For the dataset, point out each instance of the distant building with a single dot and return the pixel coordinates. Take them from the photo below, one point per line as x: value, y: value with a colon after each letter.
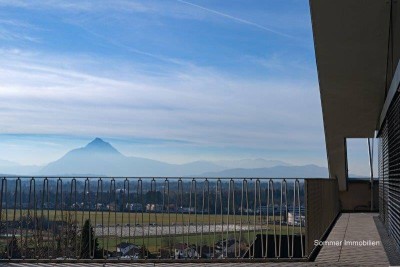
x: 112, y: 206
x: 206, y: 251
x: 296, y: 219
x: 135, y: 207
x: 182, y: 251
x: 245, y: 210
x: 186, y: 210
x: 154, y: 207
x: 76, y: 206
x: 229, y: 248
x: 171, y: 208
x: 128, y: 249
x: 98, y: 206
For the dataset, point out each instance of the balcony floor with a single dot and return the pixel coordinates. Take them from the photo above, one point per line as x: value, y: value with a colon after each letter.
x: 354, y: 227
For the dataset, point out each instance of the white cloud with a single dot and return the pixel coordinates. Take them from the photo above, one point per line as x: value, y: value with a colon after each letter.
x: 7, y: 35
x: 16, y: 30
x: 198, y: 105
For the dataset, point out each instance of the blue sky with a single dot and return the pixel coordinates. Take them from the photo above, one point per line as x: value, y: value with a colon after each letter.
x: 171, y: 80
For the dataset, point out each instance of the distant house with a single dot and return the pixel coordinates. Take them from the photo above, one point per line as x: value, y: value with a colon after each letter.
x: 186, y: 210
x: 98, y: 206
x: 154, y: 207
x: 182, y: 251
x: 206, y: 252
x: 112, y: 206
x: 128, y: 249
x: 135, y: 207
x: 227, y: 248
x: 245, y: 210
x: 76, y: 205
x: 224, y: 243
x: 296, y: 219
x: 171, y: 208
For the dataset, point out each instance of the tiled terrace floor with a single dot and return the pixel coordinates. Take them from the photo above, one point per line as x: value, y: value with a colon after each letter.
x: 349, y: 227
x: 354, y: 227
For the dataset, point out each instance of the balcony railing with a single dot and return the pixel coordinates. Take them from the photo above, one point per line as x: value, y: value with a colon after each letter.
x: 157, y: 219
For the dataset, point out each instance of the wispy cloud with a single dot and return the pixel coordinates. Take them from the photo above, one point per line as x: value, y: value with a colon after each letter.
x: 131, y: 49
x: 17, y: 23
x: 283, y: 64
x: 161, y: 8
x: 194, y: 105
x: 7, y: 35
x: 83, y: 5
x: 15, y: 30
x: 236, y: 19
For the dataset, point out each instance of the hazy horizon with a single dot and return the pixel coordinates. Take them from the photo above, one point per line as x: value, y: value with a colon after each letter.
x: 100, y: 158
x: 40, y: 161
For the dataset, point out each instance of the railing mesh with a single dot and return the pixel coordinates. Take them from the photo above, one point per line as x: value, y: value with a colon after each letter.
x: 128, y: 219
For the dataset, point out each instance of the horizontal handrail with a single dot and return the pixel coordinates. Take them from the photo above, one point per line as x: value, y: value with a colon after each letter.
x: 157, y: 177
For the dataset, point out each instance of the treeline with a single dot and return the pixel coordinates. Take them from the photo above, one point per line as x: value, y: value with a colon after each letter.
x: 40, y: 238
x: 51, y: 195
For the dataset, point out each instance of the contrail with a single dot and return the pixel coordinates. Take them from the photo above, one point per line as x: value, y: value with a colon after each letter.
x: 131, y: 49
x: 236, y: 19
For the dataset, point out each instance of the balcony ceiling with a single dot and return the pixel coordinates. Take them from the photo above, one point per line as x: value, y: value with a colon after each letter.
x: 351, y: 40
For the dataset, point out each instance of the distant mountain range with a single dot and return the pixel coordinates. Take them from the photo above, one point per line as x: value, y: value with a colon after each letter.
x: 307, y: 171
x: 9, y: 167
x: 99, y: 158
x: 251, y: 163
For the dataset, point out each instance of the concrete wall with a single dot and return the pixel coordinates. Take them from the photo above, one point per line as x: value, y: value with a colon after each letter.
x: 351, y: 48
x: 358, y: 196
